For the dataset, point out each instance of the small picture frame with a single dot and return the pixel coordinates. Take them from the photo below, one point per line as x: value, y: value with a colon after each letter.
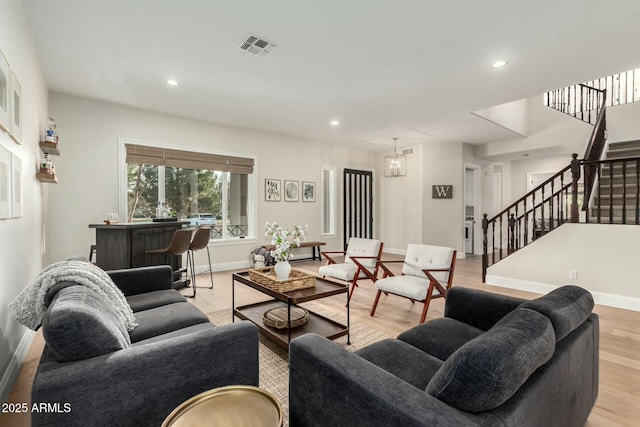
x: 15, y: 109
x: 4, y: 93
x: 308, y: 191
x: 16, y: 194
x: 291, y: 191
x: 272, y: 190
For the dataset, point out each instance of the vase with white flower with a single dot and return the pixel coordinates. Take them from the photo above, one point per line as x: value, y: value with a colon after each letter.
x: 284, y: 241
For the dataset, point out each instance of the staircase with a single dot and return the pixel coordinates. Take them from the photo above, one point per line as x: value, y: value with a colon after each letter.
x: 610, y: 183
x: 616, y: 199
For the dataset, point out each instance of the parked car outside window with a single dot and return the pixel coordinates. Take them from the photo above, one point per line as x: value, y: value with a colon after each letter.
x: 199, y: 219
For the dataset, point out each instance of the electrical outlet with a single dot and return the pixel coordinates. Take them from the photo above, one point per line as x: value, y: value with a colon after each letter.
x: 573, y: 275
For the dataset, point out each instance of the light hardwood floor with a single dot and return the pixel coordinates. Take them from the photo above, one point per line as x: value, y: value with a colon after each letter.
x: 619, y: 391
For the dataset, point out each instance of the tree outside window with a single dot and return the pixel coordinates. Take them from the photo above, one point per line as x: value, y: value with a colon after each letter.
x: 188, y: 192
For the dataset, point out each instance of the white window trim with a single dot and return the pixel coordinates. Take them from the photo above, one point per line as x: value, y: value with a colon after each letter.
x: 251, y: 184
x: 334, y: 210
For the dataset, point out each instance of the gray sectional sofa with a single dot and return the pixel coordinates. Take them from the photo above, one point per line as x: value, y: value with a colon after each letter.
x: 100, y: 375
x: 491, y: 361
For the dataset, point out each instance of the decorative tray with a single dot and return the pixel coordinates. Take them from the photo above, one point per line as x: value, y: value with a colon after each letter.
x: 277, y: 317
x: 298, y: 279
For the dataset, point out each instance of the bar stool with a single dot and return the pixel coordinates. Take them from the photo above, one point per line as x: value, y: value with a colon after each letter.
x: 200, y: 241
x: 179, y: 244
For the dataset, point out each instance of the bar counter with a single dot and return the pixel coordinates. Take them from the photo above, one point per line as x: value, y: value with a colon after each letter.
x: 123, y: 245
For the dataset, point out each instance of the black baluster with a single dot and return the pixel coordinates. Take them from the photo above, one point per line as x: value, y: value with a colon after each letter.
x: 624, y: 192
x: 500, y: 237
x: 544, y: 231
x: 560, y: 202
x: 533, y: 216
x: 637, y: 190
x: 485, y: 253
x: 493, y: 242
x: 518, y: 237
x: 599, y: 174
x: 611, y: 193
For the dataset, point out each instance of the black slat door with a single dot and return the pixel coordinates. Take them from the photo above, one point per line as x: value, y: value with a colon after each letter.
x: 358, y: 204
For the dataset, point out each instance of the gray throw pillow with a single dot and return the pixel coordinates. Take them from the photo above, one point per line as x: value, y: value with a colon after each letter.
x: 79, y: 325
x: 567, y: 307
x: 485, y: 372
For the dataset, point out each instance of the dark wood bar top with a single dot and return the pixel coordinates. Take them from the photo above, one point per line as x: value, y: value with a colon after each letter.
x: 147, y: 224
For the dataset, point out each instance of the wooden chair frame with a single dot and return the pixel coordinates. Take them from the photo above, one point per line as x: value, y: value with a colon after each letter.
x: 360, y: 268
x: 433, y: 284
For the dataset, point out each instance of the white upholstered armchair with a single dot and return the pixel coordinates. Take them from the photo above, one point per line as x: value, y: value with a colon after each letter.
x: 427, y: 273
x: 360, y: 262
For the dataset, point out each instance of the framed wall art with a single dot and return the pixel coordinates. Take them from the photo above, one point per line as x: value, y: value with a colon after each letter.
x: 16, y: 193
x: 291, y: 191
x: 5, y: 183
x: 272, y: 190
x: 15, y: 108
x: 4, y: 93
x: 308, y: 191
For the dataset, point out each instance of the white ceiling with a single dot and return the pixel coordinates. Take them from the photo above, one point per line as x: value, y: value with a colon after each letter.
x: 414, y: 69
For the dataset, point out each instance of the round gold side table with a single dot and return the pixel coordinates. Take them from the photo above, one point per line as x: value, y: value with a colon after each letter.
x: 236, y: 405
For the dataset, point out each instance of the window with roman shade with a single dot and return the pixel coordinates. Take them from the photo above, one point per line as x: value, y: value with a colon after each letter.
x: 147, y: 155
x: 190, y: 184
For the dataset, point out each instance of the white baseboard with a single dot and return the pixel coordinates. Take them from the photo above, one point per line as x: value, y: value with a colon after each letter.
x: 618, y: 301
x: 11, y: 373
x: 601, y: 298
x: 236, y: 265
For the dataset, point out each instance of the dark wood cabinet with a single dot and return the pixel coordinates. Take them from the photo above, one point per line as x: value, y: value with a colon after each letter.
x: 123, y: 245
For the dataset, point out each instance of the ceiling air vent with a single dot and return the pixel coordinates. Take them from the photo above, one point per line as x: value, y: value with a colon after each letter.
x: 257, y: 46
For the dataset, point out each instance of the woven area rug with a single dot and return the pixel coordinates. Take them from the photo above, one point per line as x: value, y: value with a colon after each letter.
x: 274, y: 365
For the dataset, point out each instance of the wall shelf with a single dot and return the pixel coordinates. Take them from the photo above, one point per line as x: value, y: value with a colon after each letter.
x: 49, y: 148
x: 45, y: 177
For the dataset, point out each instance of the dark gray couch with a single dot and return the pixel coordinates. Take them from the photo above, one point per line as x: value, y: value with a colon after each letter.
x: 100, y: 375
x: 491, y: 361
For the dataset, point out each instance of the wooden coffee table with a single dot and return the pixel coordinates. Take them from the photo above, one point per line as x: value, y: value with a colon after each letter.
x: 317, y: 323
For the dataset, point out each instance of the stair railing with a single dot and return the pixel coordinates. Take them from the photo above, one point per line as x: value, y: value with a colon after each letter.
x: 558, y: 199
x: 593, y: 153
x: 581, y: 101
x: 538, y: 212
x: 621, y: 208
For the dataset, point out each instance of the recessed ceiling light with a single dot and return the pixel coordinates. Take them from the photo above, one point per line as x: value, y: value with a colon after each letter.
x: 499, y: 64
x: 172, y: 82
x: 335, y: 123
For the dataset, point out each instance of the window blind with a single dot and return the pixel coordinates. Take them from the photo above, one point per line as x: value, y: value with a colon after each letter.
x: 146, y: 155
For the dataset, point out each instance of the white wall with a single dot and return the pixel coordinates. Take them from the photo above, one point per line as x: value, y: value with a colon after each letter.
x: 410, y: 214
x: 401, y: 204
x: 512, y: 115
x: 604, y: 256
x: 88, y: 171
x: 21, y: 239
x: 443, y: 219
x: 520, y: 169
x: 550, y: 133
x: 622, y: 122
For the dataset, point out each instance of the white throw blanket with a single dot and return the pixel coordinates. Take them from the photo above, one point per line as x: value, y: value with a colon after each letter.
x: 29, y: 306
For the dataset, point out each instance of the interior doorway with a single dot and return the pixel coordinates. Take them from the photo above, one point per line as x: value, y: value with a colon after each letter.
x: 471, y: 208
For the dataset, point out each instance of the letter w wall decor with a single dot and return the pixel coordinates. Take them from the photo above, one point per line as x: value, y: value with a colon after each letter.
x: 442, y: 192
